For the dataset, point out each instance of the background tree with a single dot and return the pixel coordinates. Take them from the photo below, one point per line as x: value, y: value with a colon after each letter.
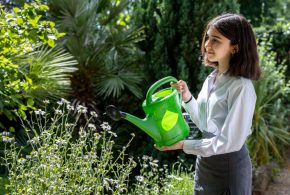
x: 271, y: 19
x: 173, y: 32
x: 108, y: 61
x: 263, y: 12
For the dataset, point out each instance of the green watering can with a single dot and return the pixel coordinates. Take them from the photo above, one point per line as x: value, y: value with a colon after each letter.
x: 164, y: 121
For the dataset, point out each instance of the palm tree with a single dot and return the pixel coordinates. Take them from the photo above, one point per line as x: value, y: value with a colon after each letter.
x: 108, y: 61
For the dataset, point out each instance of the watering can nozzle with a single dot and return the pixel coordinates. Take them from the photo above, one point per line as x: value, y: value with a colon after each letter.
x: 114, y: 113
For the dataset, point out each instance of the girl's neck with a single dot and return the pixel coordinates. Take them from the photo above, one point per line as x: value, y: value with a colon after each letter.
x: 222, y: 68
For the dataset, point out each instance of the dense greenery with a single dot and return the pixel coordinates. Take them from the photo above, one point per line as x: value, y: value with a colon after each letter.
x: 121, y: 47
x: 28, y: 67
x: 173, y: 32
x: 104, y: 46
x: 279, y: 37
x: 271, y: 122
x: 262, y: 12
x: 60, y: 164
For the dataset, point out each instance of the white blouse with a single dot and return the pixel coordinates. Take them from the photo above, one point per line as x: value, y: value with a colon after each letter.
x: 225, y: 108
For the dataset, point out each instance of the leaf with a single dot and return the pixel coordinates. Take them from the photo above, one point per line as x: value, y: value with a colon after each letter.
x: 19, y: 21
x: 51, y: 42
x: 30, y: 103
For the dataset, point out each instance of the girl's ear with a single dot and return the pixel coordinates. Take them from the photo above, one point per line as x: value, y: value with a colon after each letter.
x: 235, y: 49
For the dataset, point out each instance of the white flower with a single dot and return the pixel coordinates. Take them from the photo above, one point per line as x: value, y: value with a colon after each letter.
x: 22, y: 160
x: 82, y: 109
x: 34, y: 140
x: 65, y: 101
x: 97, y: 135
x: 92, y: 127
x: 7, y: 139
x: 105, y: 126
x: 153, y: 164
x: 112, y: 133
x: 5, y: 133
x: 145, y: 157
x: 140, y: 178
x: 46, y: 101
x: 57, y: 111
x: 82, y: 133
x: 60, y: 142
x: 69, y: 107
x: 39, y: 112
x: 94, y: 114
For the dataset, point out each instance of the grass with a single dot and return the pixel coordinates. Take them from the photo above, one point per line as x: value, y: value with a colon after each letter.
x: 3, y: 181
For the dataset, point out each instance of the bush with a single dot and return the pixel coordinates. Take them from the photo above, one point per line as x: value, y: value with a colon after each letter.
x: 22, y: 33
x: 61, y: 164
x: 270, y: 123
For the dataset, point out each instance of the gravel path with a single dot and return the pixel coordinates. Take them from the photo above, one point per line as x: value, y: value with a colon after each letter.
x: 281, y: 182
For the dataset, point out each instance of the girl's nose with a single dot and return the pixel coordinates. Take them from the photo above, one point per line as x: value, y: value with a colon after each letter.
x: 207, y: 44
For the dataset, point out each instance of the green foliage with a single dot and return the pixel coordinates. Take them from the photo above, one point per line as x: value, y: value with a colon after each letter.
x: 154, y: 179
x: 270, y: 123
x: 279, y: 36
x: 22, y: 32
x: 61, y: 164
x: 104, y: 46
x: 173, y: 32
x: 265, y: 12
x: 49, y: 71
x: 3, y: 182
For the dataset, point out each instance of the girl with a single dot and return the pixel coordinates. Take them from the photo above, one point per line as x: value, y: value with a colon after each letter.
x: 224, y: 108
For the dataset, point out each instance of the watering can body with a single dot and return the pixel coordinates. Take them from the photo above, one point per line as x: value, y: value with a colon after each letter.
x: 164, y: 121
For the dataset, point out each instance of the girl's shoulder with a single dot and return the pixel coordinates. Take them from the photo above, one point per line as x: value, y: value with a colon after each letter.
x: 242, y: 83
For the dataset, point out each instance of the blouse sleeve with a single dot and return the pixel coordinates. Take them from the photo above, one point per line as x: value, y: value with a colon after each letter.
x: 236, y: 128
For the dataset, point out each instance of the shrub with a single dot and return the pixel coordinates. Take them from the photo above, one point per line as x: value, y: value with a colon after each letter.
x: 58, y: 163
x: 270, y: 123
x: 23, y: 31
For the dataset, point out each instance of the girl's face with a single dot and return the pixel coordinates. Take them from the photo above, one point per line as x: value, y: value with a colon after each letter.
x: 218, y: 48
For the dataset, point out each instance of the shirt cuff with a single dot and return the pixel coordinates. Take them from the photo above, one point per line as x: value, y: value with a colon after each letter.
x: 188, y: 100
x: 188, y: 147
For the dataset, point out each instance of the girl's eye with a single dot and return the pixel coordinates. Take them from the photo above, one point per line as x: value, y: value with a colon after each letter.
x: 214, y: 40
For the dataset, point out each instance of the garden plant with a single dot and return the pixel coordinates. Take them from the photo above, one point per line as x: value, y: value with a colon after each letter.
x: 60, y: 163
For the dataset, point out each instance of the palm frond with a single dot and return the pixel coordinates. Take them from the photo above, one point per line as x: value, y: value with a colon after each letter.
x: 50, y: 71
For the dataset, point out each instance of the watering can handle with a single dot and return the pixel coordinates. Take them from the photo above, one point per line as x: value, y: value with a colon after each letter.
x: 156, y: 85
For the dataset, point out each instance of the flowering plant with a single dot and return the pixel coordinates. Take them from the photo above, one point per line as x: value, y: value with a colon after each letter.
x: 59, y: 163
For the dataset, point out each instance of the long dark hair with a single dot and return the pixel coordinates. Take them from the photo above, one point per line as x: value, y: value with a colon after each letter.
x: 235, y: 27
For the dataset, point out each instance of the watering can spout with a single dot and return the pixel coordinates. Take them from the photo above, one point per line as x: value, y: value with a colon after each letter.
x: 144, y: 124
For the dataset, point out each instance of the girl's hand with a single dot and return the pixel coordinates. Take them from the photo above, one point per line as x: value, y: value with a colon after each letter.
x: 182, y: 87
x: 177, y: 146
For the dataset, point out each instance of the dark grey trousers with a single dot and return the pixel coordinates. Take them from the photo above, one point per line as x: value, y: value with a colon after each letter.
x: 225, y: 174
